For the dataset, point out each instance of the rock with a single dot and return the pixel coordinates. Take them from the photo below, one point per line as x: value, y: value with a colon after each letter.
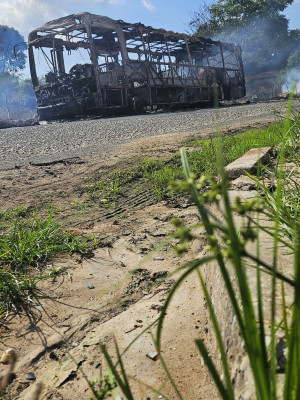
x: 248, y: 162
x: 53, y: 355
x: 243, y: 183
x: 158, y: 258
x: 8, y: 355
x: 30, y: 376
x: 122, y: 264
x: 159, y: 275
x: 91, y: 287
x: 153, y: 355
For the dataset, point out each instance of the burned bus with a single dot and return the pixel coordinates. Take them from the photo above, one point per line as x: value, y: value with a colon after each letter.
x: 93, y: 64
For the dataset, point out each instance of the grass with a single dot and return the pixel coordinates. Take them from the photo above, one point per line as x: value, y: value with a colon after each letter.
x: 34, y: 241
x: 227, y: 248
x: 155, y: 174
x: 27, y: 244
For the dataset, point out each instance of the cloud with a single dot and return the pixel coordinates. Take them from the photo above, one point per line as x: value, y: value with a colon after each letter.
x: 148, y: 5
x: 110, y: 1
x: 26, y: 15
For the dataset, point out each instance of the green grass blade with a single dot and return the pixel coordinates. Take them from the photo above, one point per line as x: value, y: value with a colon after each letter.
x: 218, y: 337
x: 260, y: 310
x: 193, y: 265
x: 122, y: 384
x: 292, y: 372
x: 212, y: 369
x: 210, y: 230
x: 256, y: 354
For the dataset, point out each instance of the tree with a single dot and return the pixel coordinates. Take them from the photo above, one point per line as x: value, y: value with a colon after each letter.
x: 294, y: 60
x: 17, y: 97
x: 12, y: 50
x: 257, y: 25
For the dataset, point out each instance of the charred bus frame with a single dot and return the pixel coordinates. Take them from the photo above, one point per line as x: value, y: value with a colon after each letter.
x: 130, y: 66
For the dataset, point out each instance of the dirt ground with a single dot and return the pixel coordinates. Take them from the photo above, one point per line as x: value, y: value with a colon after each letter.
x: 99, y: 299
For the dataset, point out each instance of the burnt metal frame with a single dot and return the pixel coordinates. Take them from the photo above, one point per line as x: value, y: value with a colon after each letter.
x: 152, y: 66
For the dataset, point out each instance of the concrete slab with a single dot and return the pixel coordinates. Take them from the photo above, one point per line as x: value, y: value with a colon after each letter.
x: 248, y: 162
x: 243, y: 183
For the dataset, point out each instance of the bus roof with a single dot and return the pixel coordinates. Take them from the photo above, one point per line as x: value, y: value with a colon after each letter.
x: 74, y: 21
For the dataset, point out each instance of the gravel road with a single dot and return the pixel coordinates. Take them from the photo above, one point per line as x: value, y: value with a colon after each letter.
x: 57, y: 141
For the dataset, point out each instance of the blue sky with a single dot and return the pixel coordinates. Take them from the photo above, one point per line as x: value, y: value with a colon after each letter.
x: 25, y: 15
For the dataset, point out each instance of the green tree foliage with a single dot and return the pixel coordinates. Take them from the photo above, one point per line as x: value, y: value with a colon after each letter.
x: 257, y: 25
x: 12, y: 50
x: 17, y: 98
x: 294, y: 60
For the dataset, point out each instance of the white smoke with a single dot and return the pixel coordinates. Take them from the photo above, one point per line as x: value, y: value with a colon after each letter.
x: 292, y: 78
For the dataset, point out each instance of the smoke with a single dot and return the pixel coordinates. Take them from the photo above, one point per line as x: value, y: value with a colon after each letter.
x: 292, y: 78
x: 17, y: 98
x: 263, y: 43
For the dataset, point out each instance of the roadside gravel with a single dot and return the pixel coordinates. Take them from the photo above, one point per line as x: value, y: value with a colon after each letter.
x: 57, y: 141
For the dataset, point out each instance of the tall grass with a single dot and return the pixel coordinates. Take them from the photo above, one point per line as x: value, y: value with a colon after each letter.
x: 227, y: 246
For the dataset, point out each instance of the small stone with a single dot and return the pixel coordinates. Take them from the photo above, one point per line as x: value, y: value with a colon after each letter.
x: 30, y: 376
x: 53, y: 356
x: 153, y: 355
x: 122, y: 264
x: 91, y: 287
x: 8, y: 355
x: 158, y: 258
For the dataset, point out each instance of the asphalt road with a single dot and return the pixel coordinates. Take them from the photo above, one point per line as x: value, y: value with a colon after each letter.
x: 62, y: 140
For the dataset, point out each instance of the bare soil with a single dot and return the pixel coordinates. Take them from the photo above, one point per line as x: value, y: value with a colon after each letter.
x: 100, y: 299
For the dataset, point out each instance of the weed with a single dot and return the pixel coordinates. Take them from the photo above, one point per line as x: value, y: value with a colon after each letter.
x: 110, y: 190
x: 102, y: 388
x: 82, y: 207
x: 25, y: 246
x: 34, y: 241
x: 227, y: 245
